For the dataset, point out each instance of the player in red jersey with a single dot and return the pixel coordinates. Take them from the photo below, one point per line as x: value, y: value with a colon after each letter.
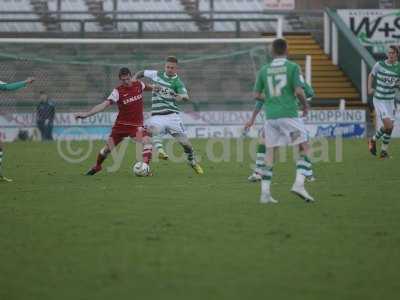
x: 129, y: 123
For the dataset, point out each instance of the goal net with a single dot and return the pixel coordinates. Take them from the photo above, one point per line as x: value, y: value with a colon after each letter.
x: 76, y: 74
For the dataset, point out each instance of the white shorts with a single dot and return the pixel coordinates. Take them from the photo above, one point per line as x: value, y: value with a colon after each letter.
x: 284, y: 132
x: 171, y: 124
x: 385, y: 109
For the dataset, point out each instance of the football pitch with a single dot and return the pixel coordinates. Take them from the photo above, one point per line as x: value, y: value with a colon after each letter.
x: 178, y: 235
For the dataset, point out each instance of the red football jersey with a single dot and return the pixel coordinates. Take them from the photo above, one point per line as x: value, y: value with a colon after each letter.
x: 130, y: 103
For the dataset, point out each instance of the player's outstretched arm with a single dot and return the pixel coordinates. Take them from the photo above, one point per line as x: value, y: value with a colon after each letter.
x: 95, y: 109
x: 138, y: 75
x: 151, y: 87
x: 182, y: 97
x: 16, y: 85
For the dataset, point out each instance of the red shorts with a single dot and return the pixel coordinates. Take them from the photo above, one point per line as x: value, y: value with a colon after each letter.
x: 119, y: 132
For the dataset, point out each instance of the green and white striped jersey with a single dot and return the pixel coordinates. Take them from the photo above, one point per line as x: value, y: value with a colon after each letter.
x: 387, y: 79
x: 163, y: 101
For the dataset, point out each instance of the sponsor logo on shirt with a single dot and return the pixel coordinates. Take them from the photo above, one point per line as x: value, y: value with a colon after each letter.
x: 132, y: 99
x: 389, y: 80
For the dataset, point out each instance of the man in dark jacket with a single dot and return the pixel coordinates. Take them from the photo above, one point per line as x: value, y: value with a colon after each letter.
x: 45, y: 113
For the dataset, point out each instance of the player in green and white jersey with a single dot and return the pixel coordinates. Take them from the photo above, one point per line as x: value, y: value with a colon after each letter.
x: 382, y: 83
x: 165, y: 113
x: 280, y: 84
x: 10, y: 87
x: 261, y: 150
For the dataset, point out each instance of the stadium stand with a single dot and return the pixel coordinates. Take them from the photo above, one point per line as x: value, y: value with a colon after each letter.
x: 149, y: 6
x: 44, y: 10
x: 249, y: 9
x: 19, y: 6
x: 198, y: 20
x: 77, y: 5
x: 233, y: 5
x: 97, y: 9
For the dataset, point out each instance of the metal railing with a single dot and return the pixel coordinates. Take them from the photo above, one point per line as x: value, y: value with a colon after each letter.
x: 140, y: 23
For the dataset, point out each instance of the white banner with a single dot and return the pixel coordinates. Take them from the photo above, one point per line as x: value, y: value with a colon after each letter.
x: 377, y: 28
x: 191, y: 118
x: 347, y: 130
x: 208, y: 124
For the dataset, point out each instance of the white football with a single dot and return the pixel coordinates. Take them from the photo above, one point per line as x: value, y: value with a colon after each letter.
x: 141, y: 169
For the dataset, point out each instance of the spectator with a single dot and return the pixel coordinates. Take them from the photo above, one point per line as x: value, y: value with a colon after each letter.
x: 45, y: 113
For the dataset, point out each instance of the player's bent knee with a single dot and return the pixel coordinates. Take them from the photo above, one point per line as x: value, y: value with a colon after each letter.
x: 388, y: 127
x: 389, y: 130
x: 304, y: 146
x: 182, y: 139
x: 387, y: 123
x: 105, y: 150
x: 154, y: 130
x: 146, y: 140
x: 184, y: 142
x: 186, y: 145
x: 150, y: 130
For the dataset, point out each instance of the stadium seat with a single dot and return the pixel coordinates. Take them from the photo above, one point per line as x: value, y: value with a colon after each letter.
x: 233, y: 5
x: 223, y: 6
x: 199, y: 23
x: 23, y: 6
x: 77, y: 5
x: 149, y: 6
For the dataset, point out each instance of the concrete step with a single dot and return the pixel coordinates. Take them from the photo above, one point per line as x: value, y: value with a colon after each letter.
x: 303, y: 46
x: 319, y: 57
x: 293, y: 37
x: 306, y: 52
x: 321, y: 68
x: 327, y: 73
x: 301, y: 42
x: 315, y: 62
x: 325, y: 89
x: 333, y: 95
x: 340, y: 84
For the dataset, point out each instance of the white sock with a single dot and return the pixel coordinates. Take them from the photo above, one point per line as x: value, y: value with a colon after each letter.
x: 299, y: 178
x: 265, y: 185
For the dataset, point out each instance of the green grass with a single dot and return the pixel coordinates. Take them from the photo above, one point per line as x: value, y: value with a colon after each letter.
x: 180, y: 236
